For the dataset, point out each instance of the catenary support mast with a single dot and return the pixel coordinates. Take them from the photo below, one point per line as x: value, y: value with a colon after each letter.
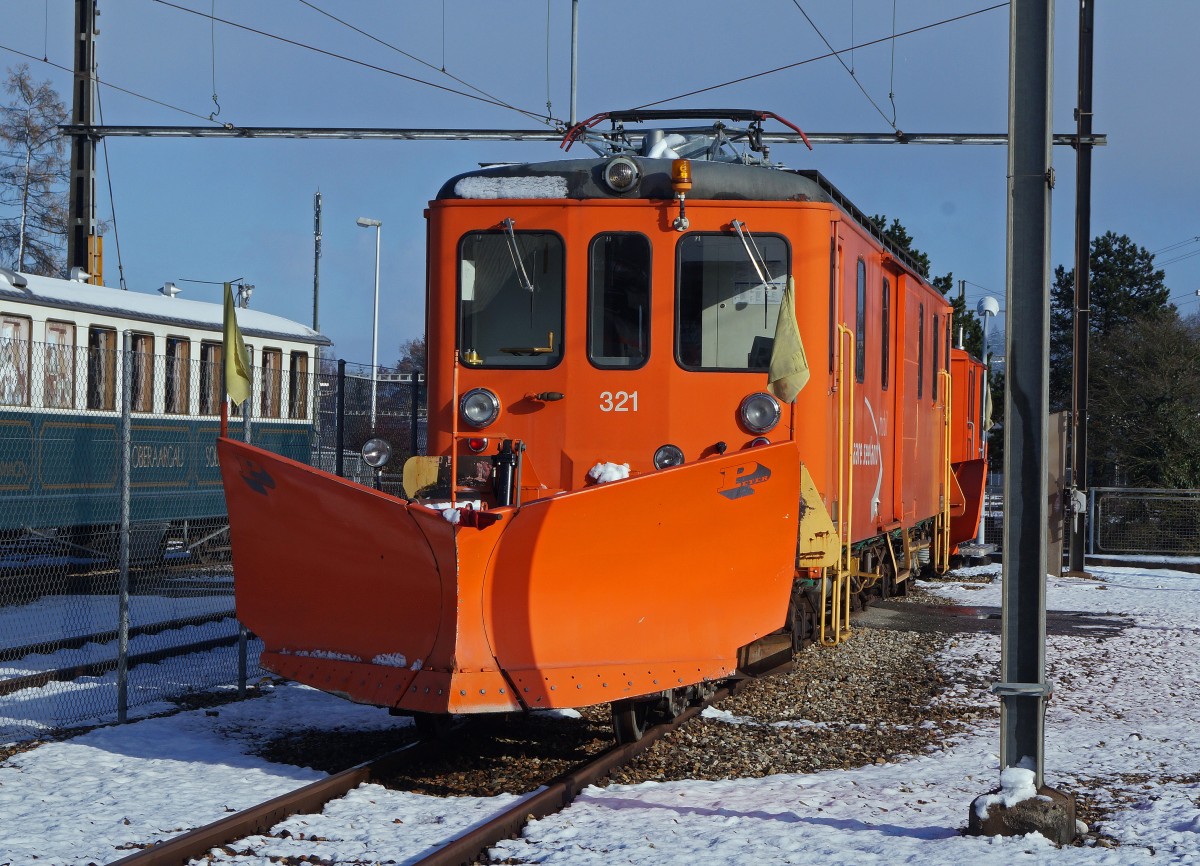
x: 1083, y: 231
x: 82, y: 206
x: 1024, y: 689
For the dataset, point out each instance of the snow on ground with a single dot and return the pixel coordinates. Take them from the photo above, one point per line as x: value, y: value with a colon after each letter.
x: 1122, y: 729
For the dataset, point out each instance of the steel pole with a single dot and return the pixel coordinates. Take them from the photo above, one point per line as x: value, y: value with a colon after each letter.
x: 82, y: 197
x: 1024, y: 690
x: 1083, y: 229
x: 375, y: 332
x: 123, y: 554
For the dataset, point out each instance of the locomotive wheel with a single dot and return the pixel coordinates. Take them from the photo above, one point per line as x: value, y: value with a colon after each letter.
x: 432, y: 726
x: 629, y: 719
x: 802, y: 621
x: 674, y: 702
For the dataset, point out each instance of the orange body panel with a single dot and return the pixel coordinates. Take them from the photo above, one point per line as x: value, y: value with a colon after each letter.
x: 569, y: 600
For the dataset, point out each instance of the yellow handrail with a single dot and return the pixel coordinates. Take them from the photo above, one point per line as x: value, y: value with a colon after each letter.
x: 941, y: 563
x: 839, y: 588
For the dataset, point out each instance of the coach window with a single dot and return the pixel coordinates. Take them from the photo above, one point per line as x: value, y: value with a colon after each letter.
x: 143, y: 373
x: 886, y: 343
x: 920, y: 350
x: 102, y: 368
x: 271, y: 382
x: 14, y: 360
x: 619, y: 300
x: 211, y: 378
x: 937, y: 337
x: 860, y: 325
x: 179, y: 374
x: 298, y: 385
x: 511, y: 288
x: 60, y: 366
x: 726, y: 310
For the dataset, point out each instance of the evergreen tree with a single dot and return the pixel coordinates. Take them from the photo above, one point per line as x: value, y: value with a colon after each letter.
x: 33, y: 177
x: 1124, y: 286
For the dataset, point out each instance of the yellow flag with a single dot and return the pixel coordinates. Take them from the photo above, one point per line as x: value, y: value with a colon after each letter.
x: 237, y: 359
x: 788, y: 372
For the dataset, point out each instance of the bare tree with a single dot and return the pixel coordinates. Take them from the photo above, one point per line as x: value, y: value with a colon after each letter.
x: 34, y: 179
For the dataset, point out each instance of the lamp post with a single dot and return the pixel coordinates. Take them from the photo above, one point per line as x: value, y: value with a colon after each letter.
x: 987, y: 307
x: 367, y: 223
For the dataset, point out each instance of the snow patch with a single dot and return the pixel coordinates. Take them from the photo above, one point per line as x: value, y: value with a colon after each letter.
x: 1016, y: 786
x: 511, y: 187
x: 390, y: 660
x: 324, y: 654
x: 602, y: 473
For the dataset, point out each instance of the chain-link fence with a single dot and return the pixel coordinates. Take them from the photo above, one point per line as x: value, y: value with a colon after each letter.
x: 353, y: 408
x: 1141, y: 521
x: 116, y: 587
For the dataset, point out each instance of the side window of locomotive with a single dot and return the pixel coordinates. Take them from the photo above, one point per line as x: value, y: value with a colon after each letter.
x: 60, y: 366
x: 212, y: 374
x: 511, y: 286
x: 14, y: 360
x: 143, y: 373
x: 726, y: 312
x: 920, y: 350
x: 102, y: 368
x: 271, y: 382
x: 619, y: 300
x: 178, y: 375
x: 298, y: 385
x: 886, y: 343
x: 860, y: 324
x: 935, y: 340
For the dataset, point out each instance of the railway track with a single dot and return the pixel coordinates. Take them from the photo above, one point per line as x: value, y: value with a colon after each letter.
x: 554, y: 795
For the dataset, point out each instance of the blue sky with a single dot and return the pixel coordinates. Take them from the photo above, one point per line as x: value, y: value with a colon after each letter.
x: 218, y: 209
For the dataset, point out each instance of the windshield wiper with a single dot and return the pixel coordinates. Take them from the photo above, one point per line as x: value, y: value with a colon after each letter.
x: 518, y: 265
x: 760, y: 264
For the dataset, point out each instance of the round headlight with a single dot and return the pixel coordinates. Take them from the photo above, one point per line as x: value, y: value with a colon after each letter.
x: 667, y: 455
x: 621, y: 174
x: 759, y: 412
x: 479, y: 407
x: 376, y: 453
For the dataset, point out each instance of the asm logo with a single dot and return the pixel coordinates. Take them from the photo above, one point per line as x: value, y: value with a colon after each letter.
x: 739, y: 481
x: 256, y: 478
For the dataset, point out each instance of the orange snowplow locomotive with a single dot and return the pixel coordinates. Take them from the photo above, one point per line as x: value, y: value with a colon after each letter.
x: 643, y: 477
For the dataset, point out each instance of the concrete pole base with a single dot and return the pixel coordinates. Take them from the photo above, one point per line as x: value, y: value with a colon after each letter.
x: 1051, y: 813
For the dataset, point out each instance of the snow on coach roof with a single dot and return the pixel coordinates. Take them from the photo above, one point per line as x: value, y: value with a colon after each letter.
x: 102, y: 300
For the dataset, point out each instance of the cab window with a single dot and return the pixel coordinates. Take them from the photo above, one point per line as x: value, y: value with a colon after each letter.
x: 619, y: 300
x: 728, y: 293
x: 510, y: 298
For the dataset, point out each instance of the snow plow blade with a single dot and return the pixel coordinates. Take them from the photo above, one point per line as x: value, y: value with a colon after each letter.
x: 581, y: 598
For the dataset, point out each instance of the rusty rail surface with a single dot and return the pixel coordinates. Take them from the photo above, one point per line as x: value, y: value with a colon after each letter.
x: 463, y: 849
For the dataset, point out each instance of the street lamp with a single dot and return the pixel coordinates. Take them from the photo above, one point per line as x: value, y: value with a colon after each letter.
x: 367, y: 223
x: 987, y: 307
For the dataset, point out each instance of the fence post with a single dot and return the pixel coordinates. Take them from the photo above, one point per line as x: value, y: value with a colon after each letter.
x: 340, y: 439
x: 414, y: 409
x: 123, y: 555
x: 1091, y: 519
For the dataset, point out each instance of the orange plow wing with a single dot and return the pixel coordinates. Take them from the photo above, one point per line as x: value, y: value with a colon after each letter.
x: 612, y: 591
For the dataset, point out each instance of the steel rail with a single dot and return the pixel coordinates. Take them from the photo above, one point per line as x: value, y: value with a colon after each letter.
x: 49, y: 646
x: 258, y: 819
x: 99, y: 669
x: 462, y: 849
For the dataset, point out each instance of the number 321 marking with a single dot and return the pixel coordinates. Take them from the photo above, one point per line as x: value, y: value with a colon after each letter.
x: 620, y: 401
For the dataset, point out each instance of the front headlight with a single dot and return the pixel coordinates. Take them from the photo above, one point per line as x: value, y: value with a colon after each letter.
x: 759, y: 412
x: 479, y: 407
x: 668, y: 455
x: 376, y: 453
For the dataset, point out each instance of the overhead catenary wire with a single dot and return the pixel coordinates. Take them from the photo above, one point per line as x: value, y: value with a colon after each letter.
x: 104, y: 83
x: 112, y: 204
x: 413, y: 57
x: 335, y: 55
x: 787, y: 66
x: 838, y: 55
